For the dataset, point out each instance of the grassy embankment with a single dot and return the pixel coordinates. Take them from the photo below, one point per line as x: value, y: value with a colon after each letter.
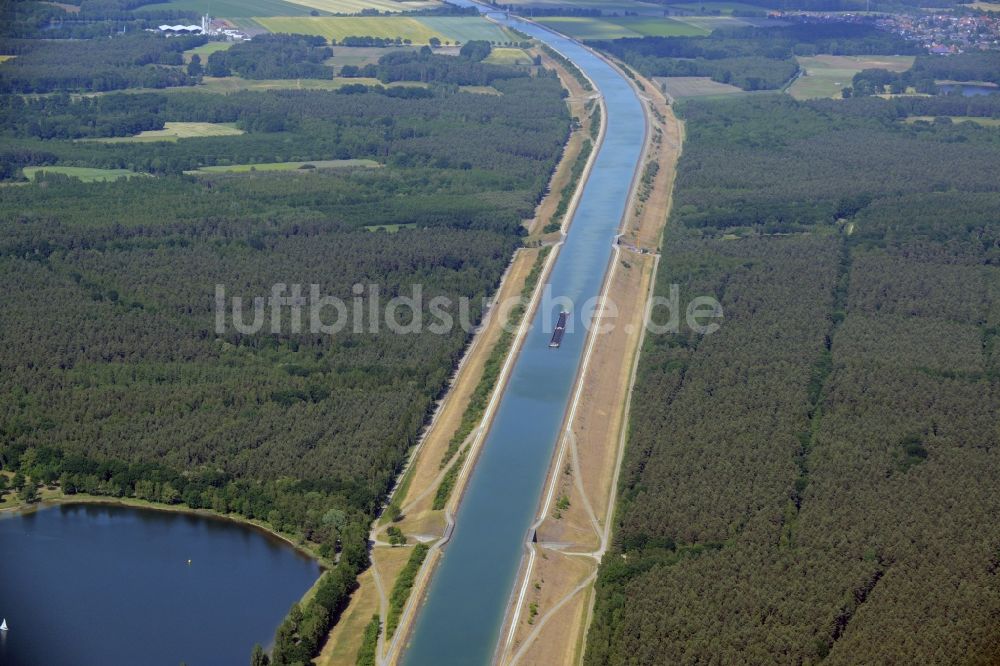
x: 553, y: 619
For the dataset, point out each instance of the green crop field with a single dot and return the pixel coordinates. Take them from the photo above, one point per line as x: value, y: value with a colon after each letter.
x: 827, y: 75
x: 608, y: 7
x: 175, y: 131
x: 86, y: 174
x: 712, y: 7
x: 356, y: 6
x: 417, y: 30
x: 285, y: 166
x: 509, y: 56
x: 617, y: 28
x: 206, y: 50
x: 711, y: 23
x: 232, y: 8
x: 681, y: 87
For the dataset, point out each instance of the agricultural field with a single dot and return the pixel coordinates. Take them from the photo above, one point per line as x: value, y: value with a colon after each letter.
x: 175, y: 131
x: 418, y: 31
x: 206, y: 50
x: 85, y: 174
x: 229, y: 84
x: 826, y: 75
x: 617, y: 28
x: 359, y: 56
x: 985, y: 6
x: 985, y: 122
x: 711, y: 23
x: 608, y: 8
x: 357, y: 6
x: 508, y: 56
x: 715, y: 7
x: 286, y: 166
x: 232, y: 8
x: 681, y: 87
x: 5, y: 58
x: 480, y: 90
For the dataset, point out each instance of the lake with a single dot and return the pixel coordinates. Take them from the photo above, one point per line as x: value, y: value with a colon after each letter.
x: 103, y: 584
x: 967, y: 90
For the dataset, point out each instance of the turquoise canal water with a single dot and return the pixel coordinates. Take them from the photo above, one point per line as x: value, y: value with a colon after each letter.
x: 460, y: 620
x: 110, y: 585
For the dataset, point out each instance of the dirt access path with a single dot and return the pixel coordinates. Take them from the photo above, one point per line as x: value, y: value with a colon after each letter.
x: 550, y: 612
x: 418, y: 484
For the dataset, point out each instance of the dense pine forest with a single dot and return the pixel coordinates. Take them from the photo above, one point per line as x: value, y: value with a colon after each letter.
x: 116, y: 379
x: 816, y: 481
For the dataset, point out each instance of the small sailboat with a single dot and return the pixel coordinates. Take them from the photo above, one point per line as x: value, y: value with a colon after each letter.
x: 3, y: 625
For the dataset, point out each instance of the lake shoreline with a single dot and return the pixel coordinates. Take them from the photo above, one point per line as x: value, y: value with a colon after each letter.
x: 20, y: 508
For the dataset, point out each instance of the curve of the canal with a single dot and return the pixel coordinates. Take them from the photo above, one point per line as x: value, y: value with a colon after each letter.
x: 460, y: 620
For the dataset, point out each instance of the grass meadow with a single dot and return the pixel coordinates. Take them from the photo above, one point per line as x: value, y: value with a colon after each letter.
x: 509, y: 56
x: 175, y: 131
x: 683, y: 87
x: 206, y: 50
x: 617, y: 28
x: 285, y: 166
x: 713, y: 7
x: 86, y: 174
x: 826, y: 75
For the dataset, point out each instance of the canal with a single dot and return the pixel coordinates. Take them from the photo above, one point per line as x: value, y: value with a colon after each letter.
x: 460, y: 620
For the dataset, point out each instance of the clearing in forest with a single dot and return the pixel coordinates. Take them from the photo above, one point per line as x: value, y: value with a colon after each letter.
x: 680, y: 87
x: 827, y: 75
x: 585, y: 27
x: 86, y: 174
x: 175, y: 131
x: 206, y: 50
x: 508, y: 56
x: 285, y: 166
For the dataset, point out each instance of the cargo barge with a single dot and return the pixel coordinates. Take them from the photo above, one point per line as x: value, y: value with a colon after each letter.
x: 560, y: 330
